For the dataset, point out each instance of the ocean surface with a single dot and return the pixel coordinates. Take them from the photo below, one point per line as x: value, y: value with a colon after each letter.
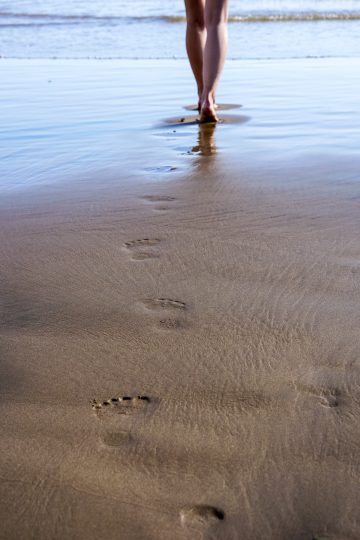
x: 155, y: 29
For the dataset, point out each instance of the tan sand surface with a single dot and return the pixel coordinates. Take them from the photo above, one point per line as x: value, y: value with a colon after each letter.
x: 221, y: 298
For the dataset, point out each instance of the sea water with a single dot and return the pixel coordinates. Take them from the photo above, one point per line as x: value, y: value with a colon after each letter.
x: 155, y: 29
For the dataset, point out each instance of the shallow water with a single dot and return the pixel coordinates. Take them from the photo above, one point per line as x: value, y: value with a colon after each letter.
x: 57, y: 125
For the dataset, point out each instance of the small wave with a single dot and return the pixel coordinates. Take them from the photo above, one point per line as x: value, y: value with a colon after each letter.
x: 297, y: 17
x: 177, y: 58
x: 24, y: 19
x: 52, y: 16
x: 288, y: 17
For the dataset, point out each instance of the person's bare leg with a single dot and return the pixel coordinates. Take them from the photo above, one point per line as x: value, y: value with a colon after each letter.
x: 195, y: 39
x: 216, y: 15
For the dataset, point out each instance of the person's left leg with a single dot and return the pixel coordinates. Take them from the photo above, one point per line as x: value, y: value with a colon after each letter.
x: 195, y: 39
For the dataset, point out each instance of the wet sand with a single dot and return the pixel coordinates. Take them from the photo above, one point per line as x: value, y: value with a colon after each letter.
x: 179, y: 304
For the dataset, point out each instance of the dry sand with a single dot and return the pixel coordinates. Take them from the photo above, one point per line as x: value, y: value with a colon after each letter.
x: 225, y: 293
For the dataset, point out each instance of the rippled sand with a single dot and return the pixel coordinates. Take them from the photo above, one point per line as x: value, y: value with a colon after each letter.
x: 180, y: 346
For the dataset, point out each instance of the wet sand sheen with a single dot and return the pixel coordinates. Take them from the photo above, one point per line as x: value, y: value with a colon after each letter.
x: 194, y: 120
x: 180, y: 353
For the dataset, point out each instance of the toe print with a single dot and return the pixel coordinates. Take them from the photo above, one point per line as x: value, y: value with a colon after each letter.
x: 142, y: 242
x: 121, y: 405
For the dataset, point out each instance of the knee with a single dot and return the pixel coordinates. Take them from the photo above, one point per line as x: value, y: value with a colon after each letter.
x: 196, y: 22
x: 216, y: 17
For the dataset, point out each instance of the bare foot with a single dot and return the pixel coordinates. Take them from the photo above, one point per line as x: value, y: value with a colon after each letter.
x: 216, y: 106
x: 207, y: 112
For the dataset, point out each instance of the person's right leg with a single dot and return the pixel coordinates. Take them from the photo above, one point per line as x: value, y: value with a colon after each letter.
x: 195, y: 39
x: 216, y: 14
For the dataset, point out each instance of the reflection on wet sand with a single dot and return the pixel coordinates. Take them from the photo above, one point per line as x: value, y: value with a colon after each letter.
x: 205, y: 144
x: 206, y: 140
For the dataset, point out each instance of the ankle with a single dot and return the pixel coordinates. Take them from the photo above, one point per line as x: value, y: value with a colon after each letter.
x: 207, y: 99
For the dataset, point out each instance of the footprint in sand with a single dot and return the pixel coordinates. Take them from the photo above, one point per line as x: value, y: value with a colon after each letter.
x: 111, y: 412
x: 201, y: 517
x: 171, y: 324
x: 142, y: 242
x: 144, y: 255
x: 161, y: 208
x: 160, y: 199
x: 164, y: 305
x: 330, y: 398
x: 116, y: 439
x: 159, y: 304
x: 326, y: 397
x: 139, y: 248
